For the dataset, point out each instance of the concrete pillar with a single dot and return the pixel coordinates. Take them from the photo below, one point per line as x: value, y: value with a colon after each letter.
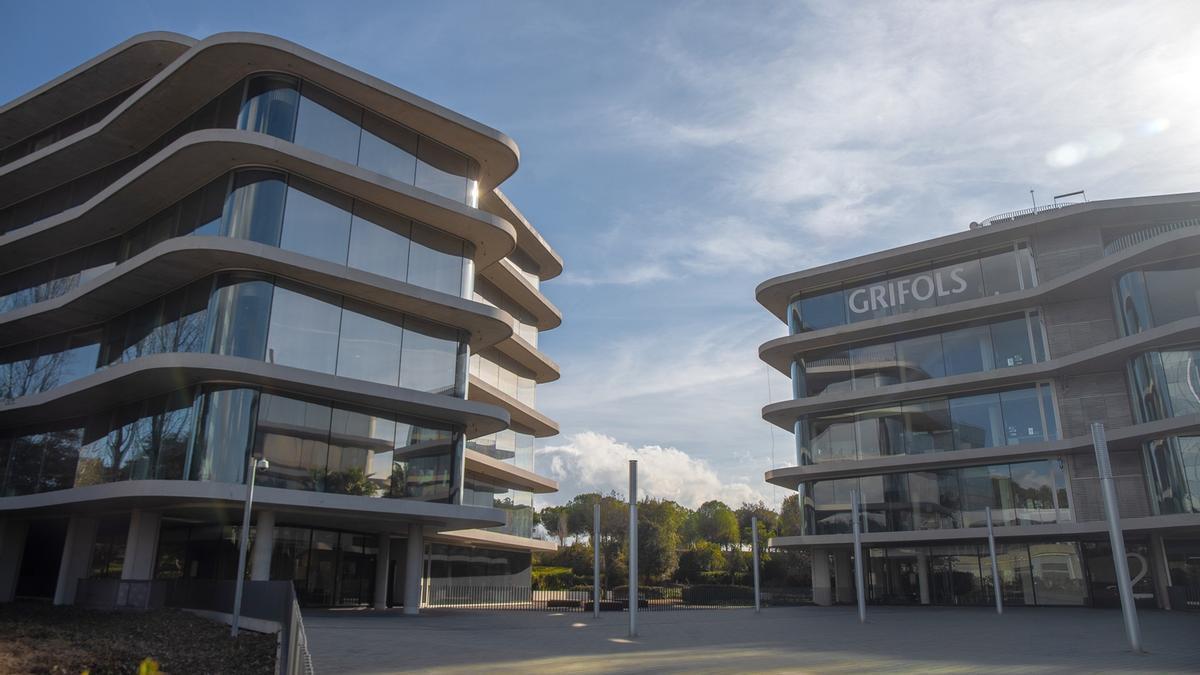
x: 264, y: 545
x: 12, y: 549
x: 843, y: 570
x: 383, y: 560
x: 821, y: 587
x: 1160, y: 571
x: 923, y: 576
x: 76, y: 557
x: 413, y: 565
x: 141, y: 545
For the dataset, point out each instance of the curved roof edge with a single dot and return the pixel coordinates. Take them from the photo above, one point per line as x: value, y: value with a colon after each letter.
x: 95, y: 80
x: 232, y: 496
x: 774, y: 293
x: 176, y: 262
x: 157, y: 374
x: 529, y: 240
x: 1068, y: 286
x: 201, y: 156
x: 216, y: 62
x: 524, y: 418
x: 493, y: 539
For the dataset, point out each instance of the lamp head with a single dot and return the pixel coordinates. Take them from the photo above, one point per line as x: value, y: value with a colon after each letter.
x: 262, y: 464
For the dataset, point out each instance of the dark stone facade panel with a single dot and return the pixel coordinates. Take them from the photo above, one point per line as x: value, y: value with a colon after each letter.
x: 1084, y: 399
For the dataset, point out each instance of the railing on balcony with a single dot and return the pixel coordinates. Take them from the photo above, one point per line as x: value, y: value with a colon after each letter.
x: 1146, y: 234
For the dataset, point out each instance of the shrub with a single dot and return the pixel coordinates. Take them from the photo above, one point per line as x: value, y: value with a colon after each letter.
x: 710, y: 593
x: 552, y: 578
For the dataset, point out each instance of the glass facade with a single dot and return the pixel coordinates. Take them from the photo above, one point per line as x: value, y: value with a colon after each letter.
x: 1023, y: 493
x: 1164, y: 384
x: 998, y: 418
x: 1043, y: 573
x: 977, y: 275
x: 208, y: 433
x: 1158, y: 294
x: 1003, y: 343
x: 257, y: 317
x: 278, y: 210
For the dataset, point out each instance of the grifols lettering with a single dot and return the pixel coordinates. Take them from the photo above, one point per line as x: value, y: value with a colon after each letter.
x: 899, y: 292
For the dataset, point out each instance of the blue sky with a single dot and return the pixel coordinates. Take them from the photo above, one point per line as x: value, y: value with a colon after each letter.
x: 677, y: 154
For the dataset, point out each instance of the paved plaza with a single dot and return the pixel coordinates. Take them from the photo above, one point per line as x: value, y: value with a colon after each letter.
x: 779, y: 640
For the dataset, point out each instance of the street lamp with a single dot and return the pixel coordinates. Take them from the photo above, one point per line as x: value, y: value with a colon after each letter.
x: 256, y: 464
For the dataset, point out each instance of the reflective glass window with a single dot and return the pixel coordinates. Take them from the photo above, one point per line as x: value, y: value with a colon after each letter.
x: 822, y: 311
x: 833, y: 438
x: 254, y: 207
x: 173, y: 432
x: 826, y: 372
x: 369, y: 346
x: 1174, y: 293
x: 423, y: 463
x: 874, y: 366
x: 869, y: 301
x: 1134, y: 304
x: 1058, y: 574
x: 241, y: 311
x: 221, y: 449
x: 958, y: 282
x: 328, y: 124
x: 316, y: 221
x: 968, y: 350
x: 292, y: 435
x: 1010, y: 340
x: 429, y: 358
x: 360, y: 454
x: 927, y: 426
x: 60, y: 447
x: 1033, y: 493
x: 388, y: 148
x: 379, y: 242
x: 879, y: 432
x: 435, y: 260
x: 977, y: 420
x: 920, y: 358
x: 1000, y: 273
x: 1022, y: 416
x: 270, y: 106
x: 442, y: 170
x: 304, y: 329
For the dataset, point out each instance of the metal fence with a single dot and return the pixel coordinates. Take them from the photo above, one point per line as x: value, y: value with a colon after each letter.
x: 651, y: 598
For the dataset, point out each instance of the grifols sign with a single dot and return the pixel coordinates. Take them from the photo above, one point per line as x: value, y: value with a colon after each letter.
x: 915, y: 291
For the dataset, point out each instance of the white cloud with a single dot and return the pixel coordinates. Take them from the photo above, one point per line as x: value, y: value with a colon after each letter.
x: 593, y: 462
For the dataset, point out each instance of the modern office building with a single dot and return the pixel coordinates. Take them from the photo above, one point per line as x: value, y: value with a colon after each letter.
x: 233, y: 248
x: 952, y: 375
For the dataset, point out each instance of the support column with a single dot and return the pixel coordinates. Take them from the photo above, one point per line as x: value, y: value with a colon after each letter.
x: 843, y: 571
x: 264, y: 546
x: 413, y: 565
x: 12, y: 549
x: 821, y: 588
x: 1160, y: 571
x: 141, y: 545
x: 923, y: 575
x: 383, y: 561
x: 76, y: 557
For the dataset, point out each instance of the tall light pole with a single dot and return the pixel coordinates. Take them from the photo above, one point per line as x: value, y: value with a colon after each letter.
x: 754, y: 546
x: 858, y: 561
x: 995, y: 565
x: 596, y: 560
x: 633, y: 549
x: 1116, y: 538
x: 256, y: 463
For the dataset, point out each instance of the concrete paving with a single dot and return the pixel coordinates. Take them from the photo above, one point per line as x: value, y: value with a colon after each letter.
x: 779, y: 640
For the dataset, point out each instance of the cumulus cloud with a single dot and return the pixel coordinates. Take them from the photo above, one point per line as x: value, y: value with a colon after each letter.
x: 593, y: 462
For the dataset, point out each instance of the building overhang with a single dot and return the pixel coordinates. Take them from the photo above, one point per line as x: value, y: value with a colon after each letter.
x: 214, y: 64
x: 207, y: 501
x: 490, y: 539
x: 508, y: 279
x: 163, y: 373
x: 176, y: 262
x: 194, y: 159
x: 529, y: 240
x: 504, y: 474
x: 1092, y: 529
x: 774, y: 294
x: 524, y: 418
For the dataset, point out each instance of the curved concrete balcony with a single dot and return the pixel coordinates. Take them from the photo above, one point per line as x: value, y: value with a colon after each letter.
x: 157, y: 374
x: 529, y: 240
x: 214, y: 64
x: 542, y: 367
x: 175, y: 262
x: 525, y: 419
x: 200, y: 156
x: 504, y: 474
x: 509, y: 280
x: 1119, y: 439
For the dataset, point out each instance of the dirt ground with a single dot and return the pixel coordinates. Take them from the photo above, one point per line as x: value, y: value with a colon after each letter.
x: 39, y: 638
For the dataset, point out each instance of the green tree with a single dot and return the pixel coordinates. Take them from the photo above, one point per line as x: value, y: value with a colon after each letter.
x: 702, y: 556
x: 791, y: 521
x: 768, y: 522
x: 659, y: 522
x: 717, y: 523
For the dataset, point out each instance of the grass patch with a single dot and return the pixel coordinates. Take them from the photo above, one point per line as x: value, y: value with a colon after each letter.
x: 39, y: 638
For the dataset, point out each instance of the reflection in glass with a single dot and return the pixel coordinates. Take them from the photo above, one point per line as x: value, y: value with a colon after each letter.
x: 369, y: 347
x: 270, y: 106
x: 316, y: 222
x: 304, y: 330
x: 328, y: 124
